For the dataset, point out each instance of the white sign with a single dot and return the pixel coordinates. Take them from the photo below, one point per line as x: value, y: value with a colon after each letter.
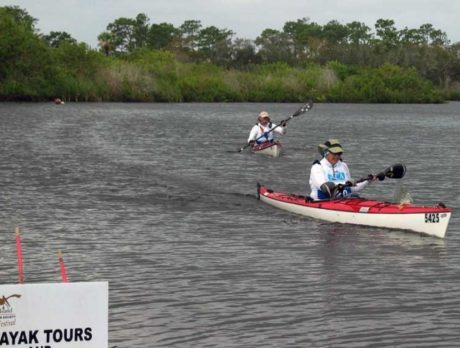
x: 60, y: 315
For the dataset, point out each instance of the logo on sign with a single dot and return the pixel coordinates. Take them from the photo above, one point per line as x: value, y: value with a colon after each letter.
x: 7, y: 316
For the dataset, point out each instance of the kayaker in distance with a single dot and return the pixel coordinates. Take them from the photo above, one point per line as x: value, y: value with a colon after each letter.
x: 264, y: 129
x: 330, y: 177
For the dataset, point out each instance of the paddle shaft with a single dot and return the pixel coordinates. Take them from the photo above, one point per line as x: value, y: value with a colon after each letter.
x: 396, y: 171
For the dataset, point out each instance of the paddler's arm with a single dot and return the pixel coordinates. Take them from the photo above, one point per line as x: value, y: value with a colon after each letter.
x: 281, y: 129
x: 359, y: 186
x: 317, y: 177
x: 253, y: 134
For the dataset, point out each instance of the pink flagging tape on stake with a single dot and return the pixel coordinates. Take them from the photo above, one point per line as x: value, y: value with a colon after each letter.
x: 62, y: 266
x: 19, y: 253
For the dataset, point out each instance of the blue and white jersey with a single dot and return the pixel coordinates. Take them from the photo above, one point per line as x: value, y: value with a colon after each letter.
x: 324, y: 171
x: 338, y: 176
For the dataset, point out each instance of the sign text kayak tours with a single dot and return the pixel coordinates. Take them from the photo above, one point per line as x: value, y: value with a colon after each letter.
x: 36, y: 338
x: 54, y: 315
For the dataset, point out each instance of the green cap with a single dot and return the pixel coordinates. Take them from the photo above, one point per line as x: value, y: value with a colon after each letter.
x: 332, y: 145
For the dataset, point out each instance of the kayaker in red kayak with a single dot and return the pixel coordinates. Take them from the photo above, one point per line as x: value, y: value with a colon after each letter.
x: 262, y: 130
x: 330, y: 177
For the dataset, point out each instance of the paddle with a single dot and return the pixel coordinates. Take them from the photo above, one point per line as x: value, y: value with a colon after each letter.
x: 396, y: 171
x: 303, y: 109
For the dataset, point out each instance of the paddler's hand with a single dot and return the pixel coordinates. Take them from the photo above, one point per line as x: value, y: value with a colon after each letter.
x: 283, y: 124
x: 251, y: 142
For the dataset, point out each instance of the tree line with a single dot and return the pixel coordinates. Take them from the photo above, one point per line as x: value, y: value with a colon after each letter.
x: 139, y: 61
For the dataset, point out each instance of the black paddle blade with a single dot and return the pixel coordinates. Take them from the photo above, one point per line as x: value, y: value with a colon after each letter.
x: 303, y: 109
x: 396, y: 171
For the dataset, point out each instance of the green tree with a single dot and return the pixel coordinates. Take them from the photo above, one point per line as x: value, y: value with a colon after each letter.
x: 274, y: 46
x: 125, y: 34
x: 358, y: 33
x: 141, y: 30
x: 57, y: 38
x: 243, y: 54
x: 19, y: 16
x: 412, y: 37
x: 426, y: 34
x: 303, y: 37
x: 189, y: 31
x: 432, y: 36
x: 161, y: 35
x: 335, y: 32
x: 215, y: 44
x: 26, y: 67
x: 122, y: 31
x: 386, y: 31
x: 107, y: 43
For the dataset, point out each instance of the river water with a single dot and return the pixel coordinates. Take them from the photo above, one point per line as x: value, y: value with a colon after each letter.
x: 155, y: 199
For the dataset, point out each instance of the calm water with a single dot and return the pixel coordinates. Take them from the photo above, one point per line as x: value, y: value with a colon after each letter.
x: 155, y: 199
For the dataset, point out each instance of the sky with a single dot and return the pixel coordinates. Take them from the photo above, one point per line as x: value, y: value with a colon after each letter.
x: 86, y: 19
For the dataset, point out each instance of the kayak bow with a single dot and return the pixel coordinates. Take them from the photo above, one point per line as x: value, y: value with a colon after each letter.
x: 429, y: 220
x: 272, y: 149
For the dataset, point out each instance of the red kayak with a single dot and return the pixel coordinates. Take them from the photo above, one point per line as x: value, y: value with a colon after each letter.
x: 429, y: 220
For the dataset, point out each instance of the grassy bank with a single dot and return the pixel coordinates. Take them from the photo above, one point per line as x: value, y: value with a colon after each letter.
x: 75, y: 73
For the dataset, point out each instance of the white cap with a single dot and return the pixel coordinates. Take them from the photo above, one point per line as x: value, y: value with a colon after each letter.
x: 264, y: 114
